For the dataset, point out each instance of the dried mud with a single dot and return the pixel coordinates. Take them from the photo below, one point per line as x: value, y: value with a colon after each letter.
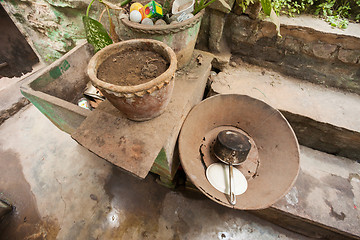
x: 133, y: 67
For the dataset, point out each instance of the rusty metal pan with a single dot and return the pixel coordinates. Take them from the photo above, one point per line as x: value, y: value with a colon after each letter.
x: 276, y: 143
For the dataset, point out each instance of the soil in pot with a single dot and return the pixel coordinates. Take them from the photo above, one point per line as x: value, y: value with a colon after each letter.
x: 132, y: 67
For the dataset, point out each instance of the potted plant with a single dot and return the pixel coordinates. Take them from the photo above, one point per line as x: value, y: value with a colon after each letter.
x: 181, y: 36
x: 136, y: 76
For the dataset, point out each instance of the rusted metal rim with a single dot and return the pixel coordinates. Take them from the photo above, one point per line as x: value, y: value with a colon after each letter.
x: 276, y: 142
x: 155, y: 83
x: 164, y: 29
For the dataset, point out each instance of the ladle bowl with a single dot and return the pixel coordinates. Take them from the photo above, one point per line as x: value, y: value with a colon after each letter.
x: 231, y: 147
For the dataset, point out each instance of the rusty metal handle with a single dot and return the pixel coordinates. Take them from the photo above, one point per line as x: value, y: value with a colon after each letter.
x: 232, y: 199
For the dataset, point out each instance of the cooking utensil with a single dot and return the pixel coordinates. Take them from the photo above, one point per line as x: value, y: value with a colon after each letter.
x: 231, y: 147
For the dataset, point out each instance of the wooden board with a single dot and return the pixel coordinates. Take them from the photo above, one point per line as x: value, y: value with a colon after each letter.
x: 134, y: 146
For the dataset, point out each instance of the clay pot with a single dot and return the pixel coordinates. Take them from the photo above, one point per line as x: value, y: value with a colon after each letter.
x: 181, y: 37
x: 139, y: 102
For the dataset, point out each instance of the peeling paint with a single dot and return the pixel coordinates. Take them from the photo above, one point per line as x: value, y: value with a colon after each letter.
x: 52, y: 27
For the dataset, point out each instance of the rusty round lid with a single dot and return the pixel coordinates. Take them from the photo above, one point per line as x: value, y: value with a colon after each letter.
x: 277, y: 149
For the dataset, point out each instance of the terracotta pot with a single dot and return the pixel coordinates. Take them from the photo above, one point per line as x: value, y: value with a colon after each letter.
x: 140, y: 102
x: 181, y: 37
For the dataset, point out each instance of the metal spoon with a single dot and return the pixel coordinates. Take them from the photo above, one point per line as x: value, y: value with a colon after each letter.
x: 232, y: 148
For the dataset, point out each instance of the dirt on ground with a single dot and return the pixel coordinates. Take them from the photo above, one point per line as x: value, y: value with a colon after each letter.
x: 132, y: 67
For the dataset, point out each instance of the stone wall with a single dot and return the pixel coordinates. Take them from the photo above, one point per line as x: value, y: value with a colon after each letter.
x: 52, y: 27
x: 302, y: 52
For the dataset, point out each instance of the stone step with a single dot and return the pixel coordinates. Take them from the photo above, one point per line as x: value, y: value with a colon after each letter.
x: 309, y: 49
x: 325, y: 199
x: 65, y: 192
x: 10, y: 96
x: 323, y: 118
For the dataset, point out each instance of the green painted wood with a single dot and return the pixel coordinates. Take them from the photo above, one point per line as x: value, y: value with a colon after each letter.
x: 65, y: 119
x: 161, y: 165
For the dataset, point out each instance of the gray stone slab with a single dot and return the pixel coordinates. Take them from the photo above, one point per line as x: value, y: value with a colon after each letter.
x: 318, y: 56
x: 287, y: 93
x: 71, y: 193
x: 326, y: 194
x: 323, y: 118
x: 318, y: 24
x: 10, y: 96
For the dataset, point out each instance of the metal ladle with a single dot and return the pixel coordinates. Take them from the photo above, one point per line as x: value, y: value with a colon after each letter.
x: 232, y: 148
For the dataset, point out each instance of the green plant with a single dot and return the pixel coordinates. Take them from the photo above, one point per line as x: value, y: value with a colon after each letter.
x: 96, y: 34
x: 337, y: 21
x: 290, y: 7
x: 201, y: 4
x: 267, y: 9
x: 336, y: 12
x: 166, y: 7
x: 244, y: 3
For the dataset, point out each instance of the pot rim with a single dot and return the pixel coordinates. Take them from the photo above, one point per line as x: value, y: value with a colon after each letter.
x: 160, y: 80
x: 155, y: 28
x: 228, y: 155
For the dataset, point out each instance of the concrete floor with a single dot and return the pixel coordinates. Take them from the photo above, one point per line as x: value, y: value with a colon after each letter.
x: 60, y: 190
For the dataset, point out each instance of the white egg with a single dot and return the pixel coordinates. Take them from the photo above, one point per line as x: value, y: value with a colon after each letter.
x: 147, y: 21
x: 135, y: 16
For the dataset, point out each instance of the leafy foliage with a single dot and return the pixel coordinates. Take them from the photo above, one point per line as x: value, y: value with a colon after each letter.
x: 245, y: 3
x: 201, y: 4
x: 96, y: 34
x: 336, y: 12
x: 266, y: 5
x: 267, y: 9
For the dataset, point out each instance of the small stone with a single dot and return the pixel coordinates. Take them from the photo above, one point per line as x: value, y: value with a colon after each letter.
x: 160, y: 22
x: 173, y: 18
x: 292, y: 44
x: 213, y: 73
x: 199, y: 59
x: 93, y: 197
x: 147, y: 21
x: 233, y: 64
x: 323, y: 50
x: 349, y: 56
x: 149, y: 70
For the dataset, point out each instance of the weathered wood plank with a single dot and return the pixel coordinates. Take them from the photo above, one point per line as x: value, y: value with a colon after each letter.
x: 134, y: 146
